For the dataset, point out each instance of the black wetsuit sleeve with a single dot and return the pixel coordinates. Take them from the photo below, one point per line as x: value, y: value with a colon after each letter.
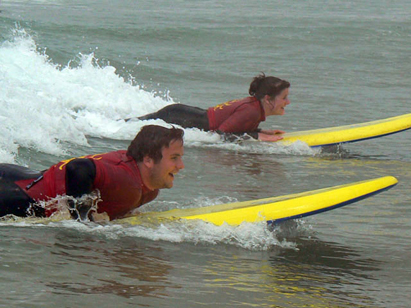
x: 80, y: 175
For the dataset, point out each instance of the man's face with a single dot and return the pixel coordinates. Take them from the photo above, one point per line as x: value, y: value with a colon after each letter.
x: 162, y: 173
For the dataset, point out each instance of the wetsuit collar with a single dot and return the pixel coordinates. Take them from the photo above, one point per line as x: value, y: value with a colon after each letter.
x: 144, y: 188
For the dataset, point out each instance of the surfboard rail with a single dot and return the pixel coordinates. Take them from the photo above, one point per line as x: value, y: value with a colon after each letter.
x: 350, y: 133
x: 276, y: 209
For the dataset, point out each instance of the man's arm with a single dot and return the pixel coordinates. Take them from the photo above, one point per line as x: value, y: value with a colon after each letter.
x: 80, y: 175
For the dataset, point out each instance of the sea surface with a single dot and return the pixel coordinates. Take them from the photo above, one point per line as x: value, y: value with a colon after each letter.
x: 70, y: 71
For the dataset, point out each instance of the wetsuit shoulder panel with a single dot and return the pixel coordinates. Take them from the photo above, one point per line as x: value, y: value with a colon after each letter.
x: 238, y: 116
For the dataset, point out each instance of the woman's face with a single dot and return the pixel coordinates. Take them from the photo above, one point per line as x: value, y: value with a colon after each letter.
x: 276, y: 106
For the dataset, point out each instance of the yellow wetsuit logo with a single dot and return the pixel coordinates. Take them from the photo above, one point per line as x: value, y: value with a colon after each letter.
x: 221, y: 106
x: 65, y: 162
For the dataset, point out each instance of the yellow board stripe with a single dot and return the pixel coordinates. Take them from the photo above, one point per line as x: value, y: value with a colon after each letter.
x: 277, y: 208
x: 350, y: 133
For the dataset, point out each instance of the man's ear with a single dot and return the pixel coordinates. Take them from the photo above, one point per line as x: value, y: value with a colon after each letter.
x: 148, y: 162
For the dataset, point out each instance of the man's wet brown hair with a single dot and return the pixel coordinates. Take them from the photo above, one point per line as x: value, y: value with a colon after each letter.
x: 150, y: 141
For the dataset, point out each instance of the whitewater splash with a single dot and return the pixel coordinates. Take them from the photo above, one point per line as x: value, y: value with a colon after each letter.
x: 251, y: 236
x: 44, y: 106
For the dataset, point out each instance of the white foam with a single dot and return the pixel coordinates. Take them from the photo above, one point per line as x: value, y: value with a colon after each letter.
x: 251, y: 236
x: 43, y: 104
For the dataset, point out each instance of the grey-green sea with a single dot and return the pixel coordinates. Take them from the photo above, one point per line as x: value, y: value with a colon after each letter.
x: 70, y: 71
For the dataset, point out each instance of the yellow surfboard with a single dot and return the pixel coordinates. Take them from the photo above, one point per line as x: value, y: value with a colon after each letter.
x: 350, y: 133
x: 274, y: 209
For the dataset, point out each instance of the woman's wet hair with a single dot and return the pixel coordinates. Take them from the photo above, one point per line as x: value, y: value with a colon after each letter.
x: 150, y: 141
x: 267, y: 85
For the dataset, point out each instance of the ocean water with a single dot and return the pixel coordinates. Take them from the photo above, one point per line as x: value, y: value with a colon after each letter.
x: 71, y: 70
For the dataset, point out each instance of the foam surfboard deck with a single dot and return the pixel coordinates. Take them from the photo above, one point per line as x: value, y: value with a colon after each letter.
x: 350, y: 133
x: 276, y: 209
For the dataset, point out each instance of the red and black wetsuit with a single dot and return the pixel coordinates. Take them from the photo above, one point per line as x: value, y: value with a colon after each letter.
x: 236, y: 116
x: 114, y: 174
x: 233, y: 117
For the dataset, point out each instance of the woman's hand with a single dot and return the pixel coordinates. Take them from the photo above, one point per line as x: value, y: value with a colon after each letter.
x: 270, y: 135
x: 272, y: 131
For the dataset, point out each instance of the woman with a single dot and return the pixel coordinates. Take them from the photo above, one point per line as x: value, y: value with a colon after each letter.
x: 268, y: 96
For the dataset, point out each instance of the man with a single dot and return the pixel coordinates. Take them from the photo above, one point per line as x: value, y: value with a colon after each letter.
x: 119, y: 181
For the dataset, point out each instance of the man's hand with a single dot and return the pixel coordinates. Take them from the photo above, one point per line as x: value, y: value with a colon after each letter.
x: 82, y: 209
